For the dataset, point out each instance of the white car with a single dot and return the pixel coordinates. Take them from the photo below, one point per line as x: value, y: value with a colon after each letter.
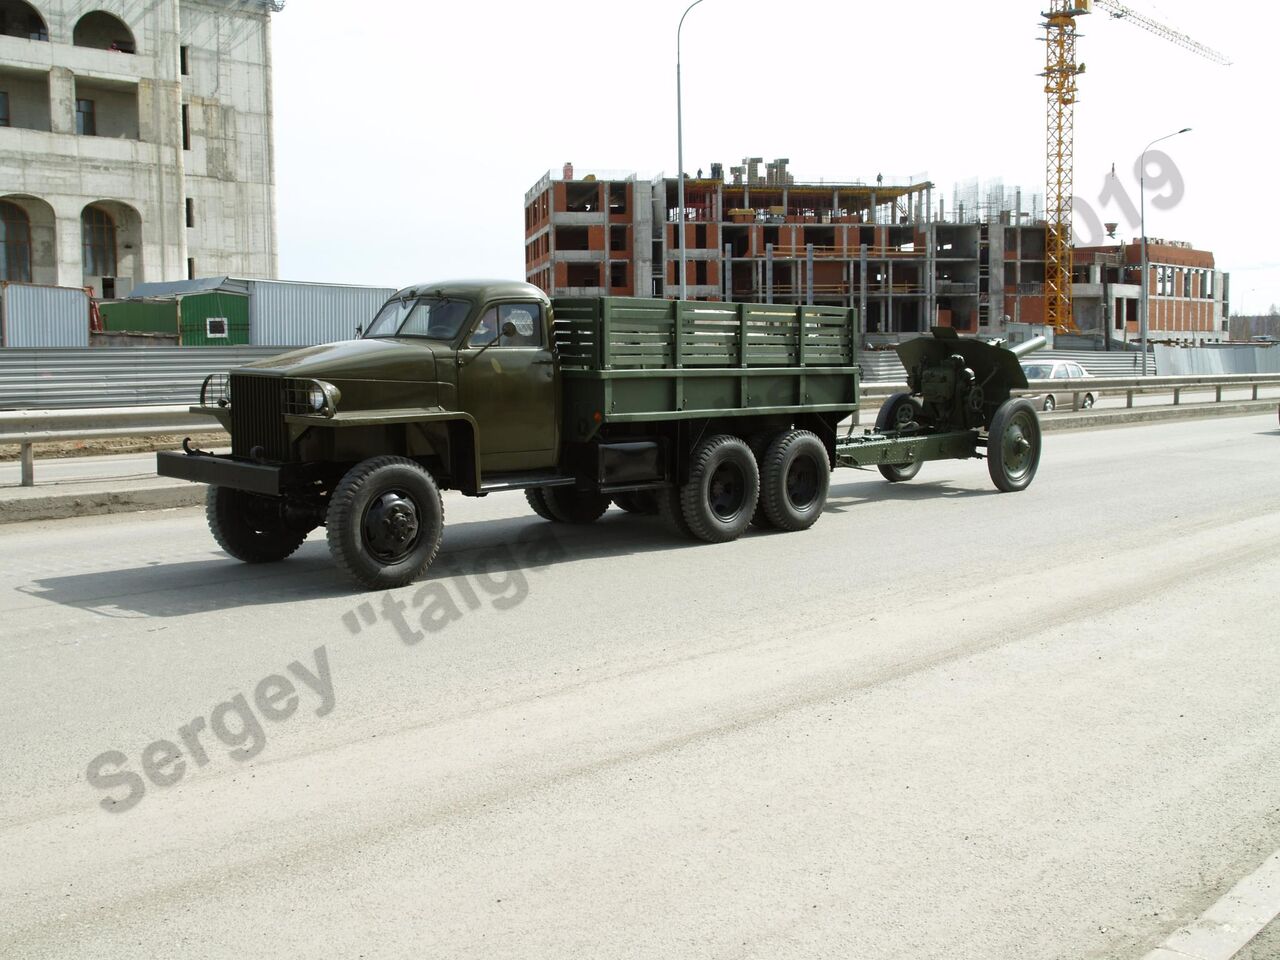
x: 1056, y: 370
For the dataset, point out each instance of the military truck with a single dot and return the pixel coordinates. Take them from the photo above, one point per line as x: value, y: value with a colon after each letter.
x: 713, y: 416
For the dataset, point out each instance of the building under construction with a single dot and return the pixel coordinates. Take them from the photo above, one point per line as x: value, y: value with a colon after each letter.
x: 886, y: 247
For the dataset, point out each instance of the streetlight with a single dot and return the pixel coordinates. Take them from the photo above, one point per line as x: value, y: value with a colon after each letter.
x: 1144, y: 300
x: 680, y: 155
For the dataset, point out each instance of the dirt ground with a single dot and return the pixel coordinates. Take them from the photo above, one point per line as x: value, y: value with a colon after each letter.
x: 91, y: 448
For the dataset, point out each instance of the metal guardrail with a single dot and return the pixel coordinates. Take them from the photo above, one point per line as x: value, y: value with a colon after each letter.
x: 29, y: 427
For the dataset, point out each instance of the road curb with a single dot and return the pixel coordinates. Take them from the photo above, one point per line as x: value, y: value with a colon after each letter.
x: 61, y: 506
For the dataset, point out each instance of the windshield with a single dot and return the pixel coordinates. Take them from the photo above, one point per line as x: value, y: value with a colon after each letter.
x: 1038, y: 371
x: 437, y: 318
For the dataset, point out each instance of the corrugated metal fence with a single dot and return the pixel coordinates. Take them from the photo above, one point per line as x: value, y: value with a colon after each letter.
x: 308, y: 313
x: 114, y: 377
x: 38, y: 316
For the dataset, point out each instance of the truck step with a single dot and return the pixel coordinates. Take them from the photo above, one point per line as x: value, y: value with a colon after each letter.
x: 519, y: 481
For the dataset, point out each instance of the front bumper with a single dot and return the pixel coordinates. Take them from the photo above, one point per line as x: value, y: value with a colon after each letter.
x: 220, y: 471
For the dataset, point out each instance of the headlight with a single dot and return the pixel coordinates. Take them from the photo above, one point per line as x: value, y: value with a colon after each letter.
x: 317, y: 398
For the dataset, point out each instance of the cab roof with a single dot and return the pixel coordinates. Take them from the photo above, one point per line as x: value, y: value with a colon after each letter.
x: 477, y: 290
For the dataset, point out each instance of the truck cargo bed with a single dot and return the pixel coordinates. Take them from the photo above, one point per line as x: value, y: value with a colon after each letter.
x: 627, y: 360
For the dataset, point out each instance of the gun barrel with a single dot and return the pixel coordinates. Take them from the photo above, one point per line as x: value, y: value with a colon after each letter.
x: 1028, y: 346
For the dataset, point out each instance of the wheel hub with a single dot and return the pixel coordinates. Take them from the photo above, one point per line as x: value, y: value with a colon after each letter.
x: 802, y: 483
x: 726, y: 491
x: 391, y: 525
x: 1017, y: 449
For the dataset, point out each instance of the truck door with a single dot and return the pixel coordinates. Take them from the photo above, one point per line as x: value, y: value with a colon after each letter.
x: 508, y: 382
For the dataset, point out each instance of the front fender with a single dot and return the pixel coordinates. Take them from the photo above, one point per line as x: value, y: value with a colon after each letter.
x: 463, y: 430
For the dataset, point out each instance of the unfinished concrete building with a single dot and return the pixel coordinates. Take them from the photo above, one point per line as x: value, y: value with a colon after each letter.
x: 135, y: 141
x: 885, y: 247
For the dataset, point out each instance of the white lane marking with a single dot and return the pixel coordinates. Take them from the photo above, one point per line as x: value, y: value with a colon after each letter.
x: 1226, y: 928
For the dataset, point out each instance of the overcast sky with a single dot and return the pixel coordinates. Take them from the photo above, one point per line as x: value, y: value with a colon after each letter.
x: 407, y: 131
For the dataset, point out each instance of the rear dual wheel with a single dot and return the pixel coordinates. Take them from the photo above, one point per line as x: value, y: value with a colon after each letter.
x: 567, y: 505
x: 719, y: 500
x: 795, y: 475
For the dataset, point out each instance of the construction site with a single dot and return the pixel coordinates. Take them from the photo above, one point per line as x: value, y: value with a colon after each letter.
x: 899, y: 251
x: 995, y: 258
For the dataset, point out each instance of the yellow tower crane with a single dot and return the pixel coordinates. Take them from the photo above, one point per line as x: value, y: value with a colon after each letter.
x: 1060, y: 72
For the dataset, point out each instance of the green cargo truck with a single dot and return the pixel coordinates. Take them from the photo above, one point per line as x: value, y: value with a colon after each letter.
x: 712, y: 415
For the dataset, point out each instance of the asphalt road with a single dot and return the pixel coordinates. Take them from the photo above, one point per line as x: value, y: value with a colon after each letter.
x: 944, y: 722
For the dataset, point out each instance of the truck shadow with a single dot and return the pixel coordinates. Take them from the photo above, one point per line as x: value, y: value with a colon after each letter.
x: 478, y: 548
x: 474, y: 548
x: 856, y: 493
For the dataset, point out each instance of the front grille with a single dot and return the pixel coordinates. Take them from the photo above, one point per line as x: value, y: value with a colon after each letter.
x: 257, y: 417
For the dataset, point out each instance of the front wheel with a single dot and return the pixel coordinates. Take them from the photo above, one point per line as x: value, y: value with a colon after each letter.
x: 1013, y: 445
x: 251, y: 527
x: 385, y: 522
x: 1087, y: 402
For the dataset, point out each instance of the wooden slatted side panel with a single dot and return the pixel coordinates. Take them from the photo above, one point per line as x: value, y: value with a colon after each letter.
x: 641, y: 333
x: 709, y: 335
x: 829, y: 335
x: 625, y: 333
x: 575, y: 331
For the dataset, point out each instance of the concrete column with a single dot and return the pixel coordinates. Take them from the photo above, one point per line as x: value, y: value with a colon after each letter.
x: 768, y: 273
x: 808, y: 269
x: 70, y: 267
x: 862, y: 289
x: 62, y: 100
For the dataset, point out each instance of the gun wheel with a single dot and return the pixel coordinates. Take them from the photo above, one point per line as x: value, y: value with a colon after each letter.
x: 1013, y: 445
x: 900, y: 411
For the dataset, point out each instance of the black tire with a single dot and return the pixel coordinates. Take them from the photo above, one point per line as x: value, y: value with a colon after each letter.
x: 759, y: 444
x: 536, y: 497
x: 250, y: 527
x: 1087, y: 402
x: 640, y: 502
x: 795, y: 480
x: 671, y: 513
x: 1013, y: 445
x: 1050, y: 404
x: 720, y: 498
x: 898, y: 412
x: 568, y: 505
x: 385, y: 522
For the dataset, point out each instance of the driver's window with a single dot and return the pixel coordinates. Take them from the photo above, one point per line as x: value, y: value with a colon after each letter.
x: 486, y: 329
x: 526, y: 318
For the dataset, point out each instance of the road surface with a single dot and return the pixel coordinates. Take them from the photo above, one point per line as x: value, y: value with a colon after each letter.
x: 944, y: 722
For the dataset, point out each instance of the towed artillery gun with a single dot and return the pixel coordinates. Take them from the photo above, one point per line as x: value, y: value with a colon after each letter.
x: 958, y: 403
x: 715, y: 416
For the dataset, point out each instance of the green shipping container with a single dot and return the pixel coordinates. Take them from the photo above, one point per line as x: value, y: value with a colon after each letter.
x: 140, y: 316
x: 213, y: 319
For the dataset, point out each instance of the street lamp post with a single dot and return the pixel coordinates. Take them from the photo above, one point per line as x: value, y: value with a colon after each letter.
x: 680, y: 156
x: 1144, y: 299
